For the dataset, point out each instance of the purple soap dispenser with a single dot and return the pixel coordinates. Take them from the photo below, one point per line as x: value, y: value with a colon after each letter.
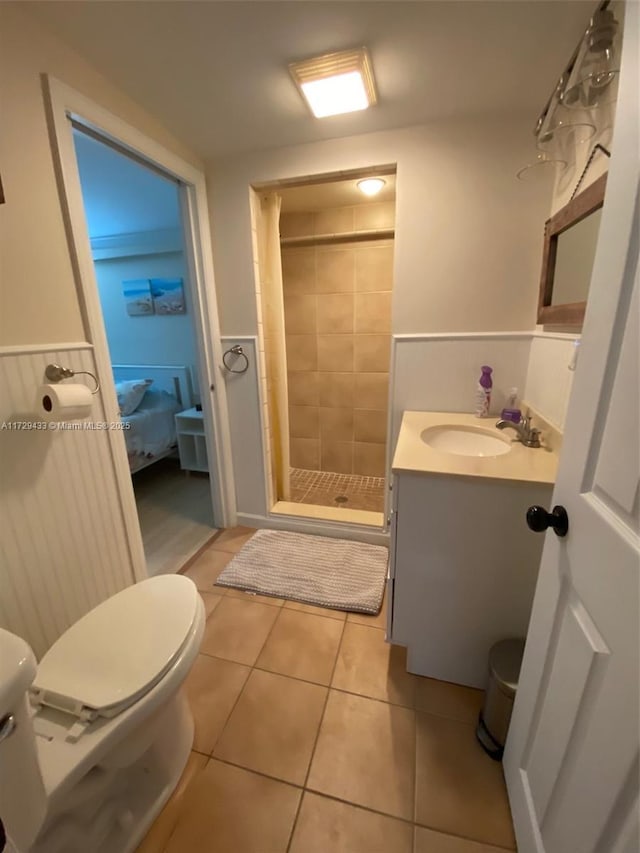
x: 483, y: 392
x: 511, y: 412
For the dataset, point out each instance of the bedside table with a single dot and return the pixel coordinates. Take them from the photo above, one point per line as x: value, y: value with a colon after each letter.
x: 192, y: 446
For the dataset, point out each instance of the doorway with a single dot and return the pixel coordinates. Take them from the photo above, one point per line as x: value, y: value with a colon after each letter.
x: 325, y: 259
x: 207, y: 433
x: 135, y: 230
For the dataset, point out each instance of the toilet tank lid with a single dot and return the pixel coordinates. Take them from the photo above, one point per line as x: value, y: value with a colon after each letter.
x: 122, y: 647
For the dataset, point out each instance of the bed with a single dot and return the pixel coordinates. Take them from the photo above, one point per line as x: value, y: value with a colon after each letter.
x: 151, y: 432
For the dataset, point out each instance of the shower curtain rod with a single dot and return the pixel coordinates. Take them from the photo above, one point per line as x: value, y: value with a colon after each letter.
x: 339, y: 237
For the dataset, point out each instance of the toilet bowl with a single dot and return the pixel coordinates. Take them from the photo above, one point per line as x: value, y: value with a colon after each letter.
x: 94, y: 739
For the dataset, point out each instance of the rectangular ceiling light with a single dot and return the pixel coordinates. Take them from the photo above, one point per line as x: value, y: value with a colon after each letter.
x: 336, y: 82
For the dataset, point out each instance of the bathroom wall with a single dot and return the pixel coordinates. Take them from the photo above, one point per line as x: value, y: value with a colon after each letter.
x: 549, y: 379
x: 63, y: 549
x: 439, y: 373
x: 550, y: 373
x: 337, y: 300
x: 65, y: 543
x: 37, y: 312
x: 158, y: 339
x: 468, y: 236
x: 576, y: 156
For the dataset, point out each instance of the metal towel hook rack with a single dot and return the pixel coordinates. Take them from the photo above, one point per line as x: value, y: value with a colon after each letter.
x: 236, y: 350
x: 56, y: 373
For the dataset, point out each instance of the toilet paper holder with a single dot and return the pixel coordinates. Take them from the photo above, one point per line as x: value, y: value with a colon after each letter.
x: 56, y: 373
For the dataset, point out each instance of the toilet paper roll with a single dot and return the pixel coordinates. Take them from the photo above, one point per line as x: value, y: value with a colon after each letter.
x: 65, y: 402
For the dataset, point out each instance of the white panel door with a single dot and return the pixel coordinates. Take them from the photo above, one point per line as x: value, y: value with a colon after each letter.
x: 571, y: 760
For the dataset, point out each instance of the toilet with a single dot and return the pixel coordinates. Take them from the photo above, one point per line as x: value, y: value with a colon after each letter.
x: 94, y: 739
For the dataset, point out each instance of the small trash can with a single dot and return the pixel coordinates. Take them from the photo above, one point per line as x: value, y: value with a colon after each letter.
x: 505, y: 659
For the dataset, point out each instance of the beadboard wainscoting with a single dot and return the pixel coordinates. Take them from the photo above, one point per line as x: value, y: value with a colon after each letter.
x: 65, y: 545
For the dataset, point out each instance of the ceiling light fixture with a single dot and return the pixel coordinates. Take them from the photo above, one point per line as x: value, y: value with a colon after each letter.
x: 336, y: 83
x: 370, y: 186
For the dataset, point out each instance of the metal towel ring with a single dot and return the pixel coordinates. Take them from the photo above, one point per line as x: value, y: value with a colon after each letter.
x: 236, y: 350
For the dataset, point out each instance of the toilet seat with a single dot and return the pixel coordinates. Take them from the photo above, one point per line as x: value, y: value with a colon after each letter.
x: 117, y: 652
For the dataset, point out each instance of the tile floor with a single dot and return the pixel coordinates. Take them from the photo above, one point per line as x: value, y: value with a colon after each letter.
x: 323, y: 488
x: 311, y: 737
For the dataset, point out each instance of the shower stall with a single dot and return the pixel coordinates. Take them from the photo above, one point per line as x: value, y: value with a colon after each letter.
x: 324, y: 276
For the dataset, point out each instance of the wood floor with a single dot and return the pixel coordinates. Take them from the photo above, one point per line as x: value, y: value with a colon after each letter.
x: 175, y: 514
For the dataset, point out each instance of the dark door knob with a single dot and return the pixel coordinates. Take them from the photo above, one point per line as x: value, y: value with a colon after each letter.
x: 538, y: 519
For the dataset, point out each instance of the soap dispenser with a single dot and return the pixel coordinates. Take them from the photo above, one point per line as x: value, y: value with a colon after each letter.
x: 511, y: 412
x: 483, y: 392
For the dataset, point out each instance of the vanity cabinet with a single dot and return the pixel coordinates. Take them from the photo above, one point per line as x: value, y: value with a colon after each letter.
x: 462, y: 571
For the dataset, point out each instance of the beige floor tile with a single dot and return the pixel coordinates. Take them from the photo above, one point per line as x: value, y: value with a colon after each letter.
x: 302, y: 646
x: 205, y: 570
x: 327, y: 826
x: 213, y: 686
x: 428, y: 841
x: 340, y: 615
x: 459, y: 789
x: 273, y: 726
x: 230, y: 810
x: 253, y: 596
x: 448, y: 700
x: 237, y: 629
x: 366, y: 754
x: 232, y: 539
x: 370, y: 667
x: 378, y: 621
x: 156, y: 839
x: 211, y: 601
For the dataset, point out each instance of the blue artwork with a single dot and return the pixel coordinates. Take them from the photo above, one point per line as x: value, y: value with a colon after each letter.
x: 168, y: 295
x: 137, y: 297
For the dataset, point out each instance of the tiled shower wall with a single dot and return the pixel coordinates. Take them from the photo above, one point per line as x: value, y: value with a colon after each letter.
x: 338, y: 321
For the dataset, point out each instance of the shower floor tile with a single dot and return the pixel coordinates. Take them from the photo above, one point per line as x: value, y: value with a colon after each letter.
x: 351, y: 491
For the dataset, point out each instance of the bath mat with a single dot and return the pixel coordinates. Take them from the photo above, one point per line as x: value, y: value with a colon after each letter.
x: 334, y: 573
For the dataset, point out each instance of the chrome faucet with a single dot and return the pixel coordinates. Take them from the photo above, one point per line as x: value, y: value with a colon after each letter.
x: 527, y: 434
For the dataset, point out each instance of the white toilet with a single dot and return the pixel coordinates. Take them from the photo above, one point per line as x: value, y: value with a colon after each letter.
x: 93, y: 740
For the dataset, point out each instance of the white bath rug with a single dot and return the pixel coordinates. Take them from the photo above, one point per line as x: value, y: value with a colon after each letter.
x: 335, y: 573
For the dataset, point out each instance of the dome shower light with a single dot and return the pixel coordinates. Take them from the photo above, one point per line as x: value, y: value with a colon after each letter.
x: 370, y: 186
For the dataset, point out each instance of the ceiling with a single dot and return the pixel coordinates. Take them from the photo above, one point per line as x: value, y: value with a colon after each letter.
x: 120, y: 195
x: 215, y: 73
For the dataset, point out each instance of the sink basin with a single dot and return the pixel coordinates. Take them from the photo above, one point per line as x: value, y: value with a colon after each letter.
x: 465, y: 440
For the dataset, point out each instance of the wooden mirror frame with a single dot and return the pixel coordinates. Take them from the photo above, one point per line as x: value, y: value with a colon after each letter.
x: 571, y: 313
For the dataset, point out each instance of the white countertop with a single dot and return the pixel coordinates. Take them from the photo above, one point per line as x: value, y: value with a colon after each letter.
x: 521, y: 464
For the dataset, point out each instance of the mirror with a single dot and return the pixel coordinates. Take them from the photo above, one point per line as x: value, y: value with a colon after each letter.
x: 569, y: 250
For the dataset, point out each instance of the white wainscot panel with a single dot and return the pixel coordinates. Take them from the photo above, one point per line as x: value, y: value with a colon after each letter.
x: 439, y: 373
x: 550, y: 377
x: 64, y: 547
x: 247, y: 430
